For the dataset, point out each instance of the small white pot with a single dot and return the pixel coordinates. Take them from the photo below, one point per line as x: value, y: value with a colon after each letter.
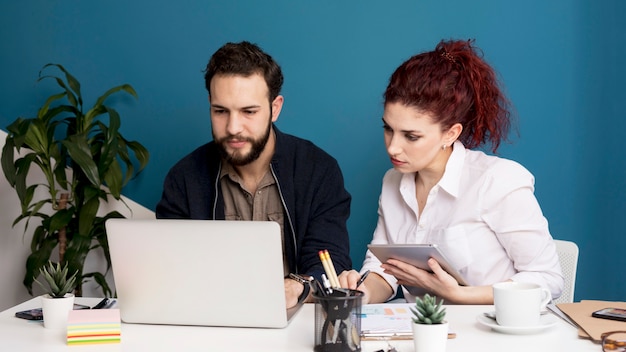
x: 430, y: 338
x: 55, y: 310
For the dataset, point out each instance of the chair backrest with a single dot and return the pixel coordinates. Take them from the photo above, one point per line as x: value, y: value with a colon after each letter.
x: 568, y: 257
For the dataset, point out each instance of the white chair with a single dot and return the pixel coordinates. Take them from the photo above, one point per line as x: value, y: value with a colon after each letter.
x: 568, y: 257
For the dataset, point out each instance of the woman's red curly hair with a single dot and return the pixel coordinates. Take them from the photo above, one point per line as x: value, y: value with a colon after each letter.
x: 455, y: 85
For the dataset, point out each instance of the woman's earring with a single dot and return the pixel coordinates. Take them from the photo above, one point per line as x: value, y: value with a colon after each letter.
x: 443, y: 147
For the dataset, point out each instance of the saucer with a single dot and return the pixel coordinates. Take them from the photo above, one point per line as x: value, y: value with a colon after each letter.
x: 546, y: 322
x: 492, y: 314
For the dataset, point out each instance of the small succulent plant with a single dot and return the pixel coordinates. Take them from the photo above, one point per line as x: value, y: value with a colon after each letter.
x: 428, y: 311
x: 57, y: 280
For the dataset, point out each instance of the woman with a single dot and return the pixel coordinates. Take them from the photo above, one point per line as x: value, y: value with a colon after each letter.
x: 479, y: 209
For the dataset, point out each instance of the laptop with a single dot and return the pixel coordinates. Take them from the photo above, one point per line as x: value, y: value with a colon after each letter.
x: 199, y: 272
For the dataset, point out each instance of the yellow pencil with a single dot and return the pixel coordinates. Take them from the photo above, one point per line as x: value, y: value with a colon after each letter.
x: 332, y: 268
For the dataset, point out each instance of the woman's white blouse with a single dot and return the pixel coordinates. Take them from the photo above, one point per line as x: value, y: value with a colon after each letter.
x: 483, y: 215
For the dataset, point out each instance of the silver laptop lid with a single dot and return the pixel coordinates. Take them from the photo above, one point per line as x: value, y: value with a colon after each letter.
x: 198, y: 272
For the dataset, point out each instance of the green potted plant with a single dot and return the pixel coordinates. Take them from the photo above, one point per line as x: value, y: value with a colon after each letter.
x: 58, y: 282
x: 85, y: 160
x: 58, y: 299
x: 430, y: 330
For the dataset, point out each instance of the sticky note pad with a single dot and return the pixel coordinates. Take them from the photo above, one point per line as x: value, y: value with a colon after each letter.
x: 93, y: 326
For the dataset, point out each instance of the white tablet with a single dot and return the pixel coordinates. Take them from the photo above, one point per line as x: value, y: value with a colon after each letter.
x: 417, y: 255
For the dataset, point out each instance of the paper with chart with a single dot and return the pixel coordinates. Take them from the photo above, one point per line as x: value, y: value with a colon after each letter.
x: 391, y: 319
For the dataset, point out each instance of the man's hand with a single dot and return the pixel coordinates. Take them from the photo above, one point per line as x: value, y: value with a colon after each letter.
x: 374, y: 288
x: 349, y: 279
x: 293, y: 290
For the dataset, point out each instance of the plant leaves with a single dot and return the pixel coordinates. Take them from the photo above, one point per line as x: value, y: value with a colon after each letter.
x: 79, y: 151
x: 37, y: 137
x: 62, y: 137
x: 87, y: 215
x: 113, y: 179
x: 101, y: 281
x: 141, y: 153
x: 43, y: 110
x: 8, y: 159
x: 36, y: 260
x: 124, y: 87
x: 72, y: 88
x: 60, y: 219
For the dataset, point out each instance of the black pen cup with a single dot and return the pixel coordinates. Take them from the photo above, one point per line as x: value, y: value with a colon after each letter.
x: 338, y: 321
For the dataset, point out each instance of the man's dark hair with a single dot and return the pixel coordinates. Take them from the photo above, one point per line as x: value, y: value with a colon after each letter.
x: 245, y: 59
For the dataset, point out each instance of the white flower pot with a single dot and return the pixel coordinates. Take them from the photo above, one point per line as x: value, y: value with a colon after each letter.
x: 430, y: 338
x: 55, y: 310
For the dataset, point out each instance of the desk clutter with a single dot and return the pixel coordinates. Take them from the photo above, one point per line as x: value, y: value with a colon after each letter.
x: 337, y: 312
x: 590, y: 327
x: 338, y: 321
x: 388, y: 321
x: 21, y: 335
x: 93, y: 326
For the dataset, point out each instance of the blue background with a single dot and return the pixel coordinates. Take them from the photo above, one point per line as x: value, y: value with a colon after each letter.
x: 560, y: 61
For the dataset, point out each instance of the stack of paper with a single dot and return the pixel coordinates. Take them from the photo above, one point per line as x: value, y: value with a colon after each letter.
x: 92, y: 326
x: 386, y: 320
x: 390, y: 321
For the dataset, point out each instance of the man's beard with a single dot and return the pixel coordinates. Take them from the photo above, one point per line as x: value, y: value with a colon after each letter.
x: 256, y: 148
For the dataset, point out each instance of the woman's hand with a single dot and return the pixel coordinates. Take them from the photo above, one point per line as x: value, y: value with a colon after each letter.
x: 439, y: 282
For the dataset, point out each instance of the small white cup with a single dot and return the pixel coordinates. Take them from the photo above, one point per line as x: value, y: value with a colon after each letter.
x: 519, y: 303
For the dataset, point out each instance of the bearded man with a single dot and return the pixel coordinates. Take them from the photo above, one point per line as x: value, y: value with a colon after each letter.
x: 253, y: 171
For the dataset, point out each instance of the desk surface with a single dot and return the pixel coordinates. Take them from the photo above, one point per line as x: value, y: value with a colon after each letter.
x: 22, y: 335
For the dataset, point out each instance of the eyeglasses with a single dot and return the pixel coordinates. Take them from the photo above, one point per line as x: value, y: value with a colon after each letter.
x: 614, y: 341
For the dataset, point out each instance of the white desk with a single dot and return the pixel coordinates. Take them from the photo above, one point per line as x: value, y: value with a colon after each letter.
x: 22, y: 335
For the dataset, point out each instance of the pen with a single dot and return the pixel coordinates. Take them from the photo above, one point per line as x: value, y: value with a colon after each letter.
x: 101, y: 304
x: 363, y: 277
x: 326, y: 284
x: 319, y: 288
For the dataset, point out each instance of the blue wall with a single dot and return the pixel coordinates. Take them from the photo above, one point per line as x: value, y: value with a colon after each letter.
x: 557, y: 59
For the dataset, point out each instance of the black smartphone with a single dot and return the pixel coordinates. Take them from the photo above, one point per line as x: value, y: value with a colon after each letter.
x: 36, y: 313
x: 610, y: 313
x: 31, y: 314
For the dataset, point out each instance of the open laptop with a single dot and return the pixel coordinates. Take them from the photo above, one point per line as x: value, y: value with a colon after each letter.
x: 199, y: 272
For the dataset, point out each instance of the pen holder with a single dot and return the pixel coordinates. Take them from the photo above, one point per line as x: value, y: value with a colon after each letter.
x: 338, y: 321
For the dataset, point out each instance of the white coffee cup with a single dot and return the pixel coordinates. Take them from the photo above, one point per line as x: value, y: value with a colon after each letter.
x: 519, y: 303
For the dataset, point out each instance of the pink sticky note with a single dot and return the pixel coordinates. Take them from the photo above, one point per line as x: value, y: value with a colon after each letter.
x: 91, y: 326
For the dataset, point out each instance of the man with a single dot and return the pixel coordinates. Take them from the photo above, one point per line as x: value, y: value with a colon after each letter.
x: 252, y: 171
